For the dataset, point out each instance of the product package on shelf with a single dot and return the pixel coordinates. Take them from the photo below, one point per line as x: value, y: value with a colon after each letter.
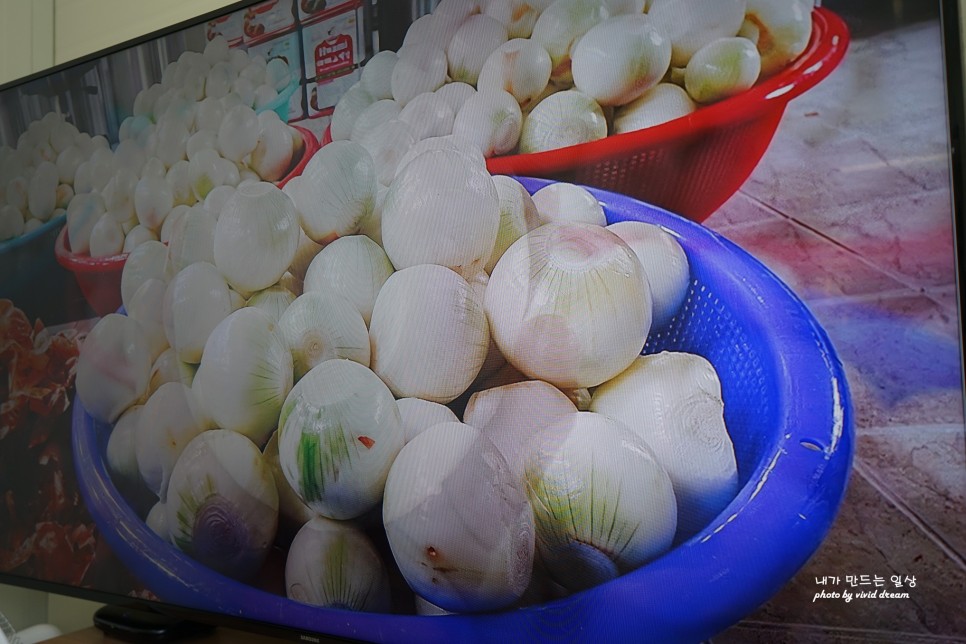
x: 268, y: 19
x: 323, y: 93
x: 229, y: 27
x: 334, y: 42
x: 310, y: 10
x: 285, y: 46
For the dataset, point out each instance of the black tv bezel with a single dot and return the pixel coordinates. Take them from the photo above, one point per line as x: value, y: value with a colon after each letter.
x: 954, y: 51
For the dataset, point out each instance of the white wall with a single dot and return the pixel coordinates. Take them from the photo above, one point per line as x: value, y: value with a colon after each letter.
x: 85, y: 26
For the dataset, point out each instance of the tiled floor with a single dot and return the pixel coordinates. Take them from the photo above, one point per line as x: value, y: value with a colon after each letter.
x: 851, y: 207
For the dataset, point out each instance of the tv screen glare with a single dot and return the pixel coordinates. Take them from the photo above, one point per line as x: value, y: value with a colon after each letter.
x: 477, y: 320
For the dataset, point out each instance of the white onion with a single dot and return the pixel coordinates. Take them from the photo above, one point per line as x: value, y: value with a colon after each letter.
x: 137, y: 236
x: 334, y: 565
x: 386, y: 143
x: 339, y: 432
x: 418, y: 415
x: 665, y: 266
x: 560, y: 120
x: 441, y: 209
x: 153, y: 200
x: 560, y: 26
x: 168, y: 368
x: 121, y: 455
x: 430, y: 312
x: 147, y: 261
x: 722, y: 68
x: 336, y: 191
x: 373, y: 116
x: 376, y: 77
x: 458, y: 522
x: 195, y: 302
x: 595, y: 523
x: 320, y: 326
x: 245, y: 374
x: 518, y: 216
x: 783, y: 30
x: 565, y: 202
x: 471, y: 45
x: 428, y: 115
x: 192, y: 239
x: 354, y: 267
x: 518, y: 16
x: 568, y: 303
x: 619, y: 59
x: 673, y: 401
x: 223, y: 505
x: 293, y: 513
x: 692, y: 24
x: 274, y: 300
x: 455, y: 94
x: 238, y: 133
x: 256, y: 237
x: 113, y: 367
x: 41, y: 193
x: 347, y: 110
x: 520, y: 67
x: 422, y: 67
x: 272, y: 155
x: 146, y: 307
x: 490, y: 119
x: 662, y: 103
x: 513, y: 416
x: 168, y: 421
x: 82, y: 214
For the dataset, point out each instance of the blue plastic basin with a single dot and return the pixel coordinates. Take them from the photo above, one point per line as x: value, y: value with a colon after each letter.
x: 788, y: 411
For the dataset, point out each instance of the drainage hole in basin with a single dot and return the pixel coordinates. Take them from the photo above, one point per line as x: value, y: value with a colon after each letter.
x: 812, y: 444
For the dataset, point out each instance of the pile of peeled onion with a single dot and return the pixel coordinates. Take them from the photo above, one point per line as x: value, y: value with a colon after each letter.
x: 523, y: 76
x: 438, y: 377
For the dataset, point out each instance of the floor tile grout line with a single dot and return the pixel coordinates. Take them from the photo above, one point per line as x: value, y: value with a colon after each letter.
x: 860, y: 468
x: 884, y: 430
x: 899, y: 277
x: 843, y: 630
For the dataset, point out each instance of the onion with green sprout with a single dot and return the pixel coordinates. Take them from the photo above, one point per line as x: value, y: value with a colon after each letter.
x: 673, y: 402
x: 334, y: 565
x: 602, y: 503
x: 339, y: 432
x: 222, y: 506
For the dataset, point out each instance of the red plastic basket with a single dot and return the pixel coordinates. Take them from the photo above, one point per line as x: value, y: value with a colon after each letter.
x: 693, y: 164
x: 99, y: 278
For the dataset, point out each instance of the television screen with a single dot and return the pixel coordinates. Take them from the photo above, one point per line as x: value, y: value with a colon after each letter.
x: 577, y: 320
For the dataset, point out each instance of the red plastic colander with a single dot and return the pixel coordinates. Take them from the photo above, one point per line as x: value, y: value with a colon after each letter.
x: 693, y: 164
